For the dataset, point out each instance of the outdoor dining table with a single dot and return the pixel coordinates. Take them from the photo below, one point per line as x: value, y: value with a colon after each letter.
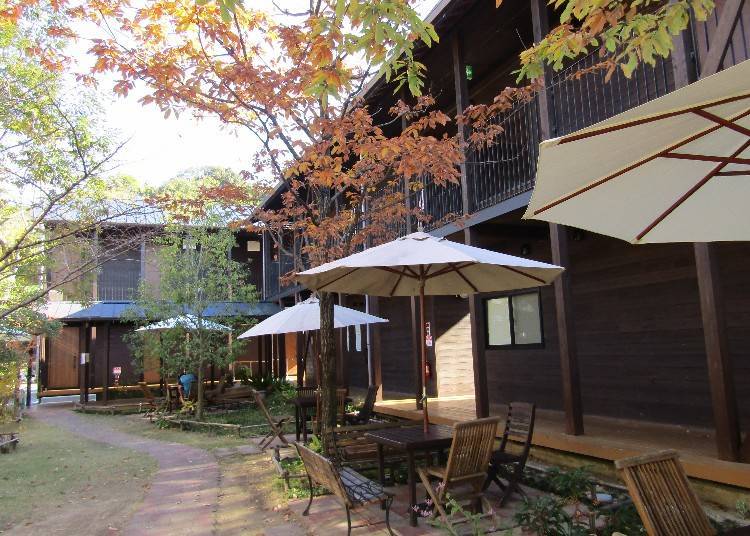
x: 411, y: 439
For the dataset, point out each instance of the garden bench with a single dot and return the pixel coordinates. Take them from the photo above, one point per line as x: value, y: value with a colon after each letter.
x: 8, y: 442
x: 348, y: 486
x: 351, y: 447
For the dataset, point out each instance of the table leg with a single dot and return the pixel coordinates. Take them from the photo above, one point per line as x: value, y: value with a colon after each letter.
x: 412, y: 487
x: 304, y: 425
x: 296, y: 421
x: 381, y: 464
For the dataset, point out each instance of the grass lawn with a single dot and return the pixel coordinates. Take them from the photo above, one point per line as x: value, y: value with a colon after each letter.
x: 57, y: 483
x: 137, y: 425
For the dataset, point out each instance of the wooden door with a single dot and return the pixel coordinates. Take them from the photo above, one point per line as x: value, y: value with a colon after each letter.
x: 62, y: 361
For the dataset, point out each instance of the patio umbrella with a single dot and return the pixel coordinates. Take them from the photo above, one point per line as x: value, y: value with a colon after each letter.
x: 305, y: 316
x: 674, y: 169
x: 186, y: 322
x: 420, y: 264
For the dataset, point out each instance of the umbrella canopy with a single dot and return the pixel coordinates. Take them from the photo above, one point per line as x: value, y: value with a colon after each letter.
x: 420, y: 264
x: 675, y: 169
x: 445, y: 268
x: 185, y: 322
x: 305, y: 316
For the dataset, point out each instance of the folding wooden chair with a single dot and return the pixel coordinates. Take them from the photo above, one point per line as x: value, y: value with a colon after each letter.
x: 152, y: 401
x: 663, y: 497
x: 276, y: 425
x: 509, y: 461
x: 464, y: 475
x: 364, y: 415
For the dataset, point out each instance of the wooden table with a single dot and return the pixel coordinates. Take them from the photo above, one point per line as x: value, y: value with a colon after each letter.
x: 411, y: 440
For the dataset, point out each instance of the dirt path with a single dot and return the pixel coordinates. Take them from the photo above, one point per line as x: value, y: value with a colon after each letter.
x: 184, y: 494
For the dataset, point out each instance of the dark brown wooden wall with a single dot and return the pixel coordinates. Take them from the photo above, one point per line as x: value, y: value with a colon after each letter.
x: 397, y: 365
x: 640, y: 341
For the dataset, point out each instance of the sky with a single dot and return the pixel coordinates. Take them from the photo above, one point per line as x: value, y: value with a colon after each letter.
x: 159, y: 149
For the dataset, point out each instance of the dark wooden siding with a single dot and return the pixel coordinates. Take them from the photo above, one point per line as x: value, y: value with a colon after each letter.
x: 397, y: 366
x: 453, y: 359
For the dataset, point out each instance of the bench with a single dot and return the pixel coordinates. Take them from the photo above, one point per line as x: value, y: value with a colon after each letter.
x: 348, y: 486
x: 8, y: 442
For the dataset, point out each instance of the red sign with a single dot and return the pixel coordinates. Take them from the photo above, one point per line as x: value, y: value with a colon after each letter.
x: 116, y: 371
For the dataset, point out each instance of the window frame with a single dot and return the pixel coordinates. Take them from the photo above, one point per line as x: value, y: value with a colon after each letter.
x: 513, y: 344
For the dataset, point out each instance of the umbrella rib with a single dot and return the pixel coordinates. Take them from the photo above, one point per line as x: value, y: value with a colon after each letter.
x: 707, y: 158
x: 521, y: 272
x: 721, y: 121
x: 398, y: 281
x: 646, y: 120
x: 737, y: 173
x: 448, y: 269
x: 463, y: 276
x: 635, y: 165
x: 338, y: 278
x: 690, y: 192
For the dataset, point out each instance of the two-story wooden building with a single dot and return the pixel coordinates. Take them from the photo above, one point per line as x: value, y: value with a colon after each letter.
x: 98, y: 327
x: 614, y: 355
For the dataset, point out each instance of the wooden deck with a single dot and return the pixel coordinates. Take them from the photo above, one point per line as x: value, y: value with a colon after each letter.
x: 605, y: 438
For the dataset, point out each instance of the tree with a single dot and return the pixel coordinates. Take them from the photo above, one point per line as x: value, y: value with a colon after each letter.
x: 293, y: 82
x: 196, y: 271
x: 53, y: 156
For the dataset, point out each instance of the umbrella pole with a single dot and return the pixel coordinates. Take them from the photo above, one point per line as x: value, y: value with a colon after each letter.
x: 424, y: 357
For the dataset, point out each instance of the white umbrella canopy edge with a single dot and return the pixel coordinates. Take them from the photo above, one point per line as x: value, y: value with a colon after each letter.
x: 671, y: 170
x: 449, y: 268
x: 305, y: 316
x: 185, y: 321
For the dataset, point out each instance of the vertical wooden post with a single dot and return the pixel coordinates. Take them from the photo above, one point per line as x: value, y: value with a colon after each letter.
x: 416, y: 355
x: 723, y: 397
x: 102, y: 347
x: 376, y: 347
x: 476, y: 307
x: 341, y: 350
x: 571, y: 383
x: 84, y: 346
x: 566, y: 334
x: 281, y: 365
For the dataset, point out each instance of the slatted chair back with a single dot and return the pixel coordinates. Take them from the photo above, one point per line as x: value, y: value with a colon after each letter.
x: 662, y: 495
x: 305, y: 392
x: 261, y: 404
x: 519, y: 429
x: 369, y: 406
x: 470, y: 452
x: 323, y: 472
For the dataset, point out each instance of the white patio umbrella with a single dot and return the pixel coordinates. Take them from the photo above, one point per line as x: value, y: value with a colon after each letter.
x: 186, y: 322
x: 420, y: 264
x: 676, y: 169
x: 305, y: 316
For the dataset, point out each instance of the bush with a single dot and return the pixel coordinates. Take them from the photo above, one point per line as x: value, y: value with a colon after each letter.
x: 243, y: 374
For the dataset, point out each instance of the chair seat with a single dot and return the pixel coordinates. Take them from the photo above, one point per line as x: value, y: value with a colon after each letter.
x: 360, y: 489
x: 435, y: 471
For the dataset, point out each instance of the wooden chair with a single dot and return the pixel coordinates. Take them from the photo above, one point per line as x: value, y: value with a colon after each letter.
x: 364, y: 415
x: 174, y: 397
x: 348, y: 486
x: 275, y: 424
x: 509, y: 461
x: 308, y: 391
x: 152, y: 401
x: 663, y: 497
x: 464, y: 475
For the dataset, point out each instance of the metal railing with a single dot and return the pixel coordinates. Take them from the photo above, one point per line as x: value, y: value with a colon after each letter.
x: 507, y: 166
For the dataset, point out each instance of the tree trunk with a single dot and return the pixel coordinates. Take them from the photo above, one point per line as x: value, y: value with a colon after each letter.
x: 199, y: 394
x: 328, y: 367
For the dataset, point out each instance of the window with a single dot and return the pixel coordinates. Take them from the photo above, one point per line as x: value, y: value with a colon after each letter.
x: 514, y: 320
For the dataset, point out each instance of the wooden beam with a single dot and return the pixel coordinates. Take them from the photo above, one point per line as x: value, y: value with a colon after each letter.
x: 722, y: 37
x: 341, y: 350
x: 478, y: 346
x: 102, y: 347
x: 376, y: 346
x: 718, y: 359
x: 723, y: 399
x: 415, y: 347
x: 571, y: 382
x: 462, y: 102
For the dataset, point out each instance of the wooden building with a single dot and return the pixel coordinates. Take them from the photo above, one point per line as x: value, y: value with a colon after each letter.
x: 99, y: 329
x: 617, y: 348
